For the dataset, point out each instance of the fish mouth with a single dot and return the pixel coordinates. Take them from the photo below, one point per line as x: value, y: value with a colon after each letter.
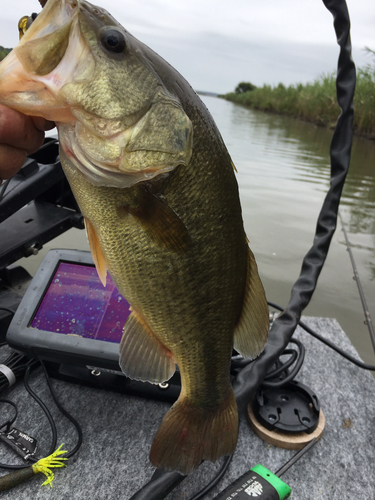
x: 101, y: 173
x: 34, y: 72
x: 98, y: 174
x: 51, y: 74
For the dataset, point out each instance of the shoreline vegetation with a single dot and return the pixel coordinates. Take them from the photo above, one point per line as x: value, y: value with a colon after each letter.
x: 3, y: 52
x: 314, y: 102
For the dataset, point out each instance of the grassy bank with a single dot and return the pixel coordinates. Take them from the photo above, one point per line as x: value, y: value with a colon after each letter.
x: 3, y: 52
x: 314, y: 102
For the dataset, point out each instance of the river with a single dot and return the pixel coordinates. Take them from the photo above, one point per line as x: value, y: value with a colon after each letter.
x: 283, y: 175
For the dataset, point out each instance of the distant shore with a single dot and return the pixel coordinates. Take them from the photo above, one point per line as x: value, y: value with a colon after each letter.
x: 314, y: 102
x: 3, y: 52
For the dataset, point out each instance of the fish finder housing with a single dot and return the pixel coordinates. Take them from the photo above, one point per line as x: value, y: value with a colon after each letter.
x: 68, y: 316
x: 68, y: 319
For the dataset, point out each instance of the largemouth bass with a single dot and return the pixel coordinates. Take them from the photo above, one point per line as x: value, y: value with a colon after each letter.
x: 157, y: 189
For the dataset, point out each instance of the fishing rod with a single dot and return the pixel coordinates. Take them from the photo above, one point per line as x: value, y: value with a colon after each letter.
x: 366, y: 311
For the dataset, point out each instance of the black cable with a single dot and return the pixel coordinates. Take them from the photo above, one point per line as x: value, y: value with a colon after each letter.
x: 46, y: 412
x: 9, y: 422
x: 215, y: 480
x: 48, y: 415
x: 344, y: 354
x: 328, y: 343
x: 65, y: 413
x: 30, y: 459
x: 292, y: 374
x: 7, y: 309
x: 163, y: 482
x: 282, y: 367
x: 160, y: 485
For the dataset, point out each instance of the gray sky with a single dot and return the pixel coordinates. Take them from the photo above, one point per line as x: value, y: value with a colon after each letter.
x: 215, y: 44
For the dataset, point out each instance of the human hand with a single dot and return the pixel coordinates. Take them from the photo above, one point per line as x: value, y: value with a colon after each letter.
x: 20, y: 135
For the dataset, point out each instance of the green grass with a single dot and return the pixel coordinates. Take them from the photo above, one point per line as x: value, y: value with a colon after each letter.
x: 3, y: 52
x: 316, y: 102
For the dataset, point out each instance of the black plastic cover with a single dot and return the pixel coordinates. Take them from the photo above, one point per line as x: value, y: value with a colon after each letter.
x: 291, y: 408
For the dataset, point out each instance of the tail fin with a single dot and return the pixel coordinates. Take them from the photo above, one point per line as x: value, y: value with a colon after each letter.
x: 188, y: 435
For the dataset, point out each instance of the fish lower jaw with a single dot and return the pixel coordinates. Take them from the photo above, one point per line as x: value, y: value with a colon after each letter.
x: 99, y: 175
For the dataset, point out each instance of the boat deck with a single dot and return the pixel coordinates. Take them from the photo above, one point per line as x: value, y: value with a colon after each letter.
x: 113, y: 464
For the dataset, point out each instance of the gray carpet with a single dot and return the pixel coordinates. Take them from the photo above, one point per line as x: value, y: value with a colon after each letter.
x: 113, y: 464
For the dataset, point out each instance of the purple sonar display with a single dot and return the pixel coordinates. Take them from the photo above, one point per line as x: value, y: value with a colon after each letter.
x: 76, y: 303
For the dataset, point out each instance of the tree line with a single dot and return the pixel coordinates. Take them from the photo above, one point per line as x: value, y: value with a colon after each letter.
x: 316, y: 101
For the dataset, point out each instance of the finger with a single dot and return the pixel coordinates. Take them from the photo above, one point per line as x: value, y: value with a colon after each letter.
x: 11, y: 160
x: 42, y: 124
x: 18, y: 130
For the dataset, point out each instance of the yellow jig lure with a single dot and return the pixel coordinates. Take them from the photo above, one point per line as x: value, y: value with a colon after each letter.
x: 43, y: 465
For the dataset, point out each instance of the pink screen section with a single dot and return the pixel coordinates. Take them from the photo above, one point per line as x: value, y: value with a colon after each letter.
x: 76, y: 303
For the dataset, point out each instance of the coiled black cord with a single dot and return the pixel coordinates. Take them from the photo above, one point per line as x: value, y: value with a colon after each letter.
x: 298, y: 357
x: 281, y: 367
x: 328, y: 343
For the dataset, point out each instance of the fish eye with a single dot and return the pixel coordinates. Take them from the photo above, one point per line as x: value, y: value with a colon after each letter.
x: 113, y: 40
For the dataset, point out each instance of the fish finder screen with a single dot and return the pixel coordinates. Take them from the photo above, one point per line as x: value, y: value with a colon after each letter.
x: 76, y: 303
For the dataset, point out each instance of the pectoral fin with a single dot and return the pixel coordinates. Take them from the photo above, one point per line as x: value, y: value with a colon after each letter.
x: 96, y: 252
x: 251, y: 332
x: 142, y: 355
x: 160, y: 221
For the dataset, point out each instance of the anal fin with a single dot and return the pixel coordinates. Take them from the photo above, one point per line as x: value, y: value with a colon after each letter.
x: 96, y: 252
x: 251, y: 332
x: 142, y: 355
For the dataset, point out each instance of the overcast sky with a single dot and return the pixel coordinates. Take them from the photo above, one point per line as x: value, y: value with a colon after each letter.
x: 215, y: 44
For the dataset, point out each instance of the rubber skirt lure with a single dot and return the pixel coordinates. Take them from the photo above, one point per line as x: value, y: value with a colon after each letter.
x: 43, y: 465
